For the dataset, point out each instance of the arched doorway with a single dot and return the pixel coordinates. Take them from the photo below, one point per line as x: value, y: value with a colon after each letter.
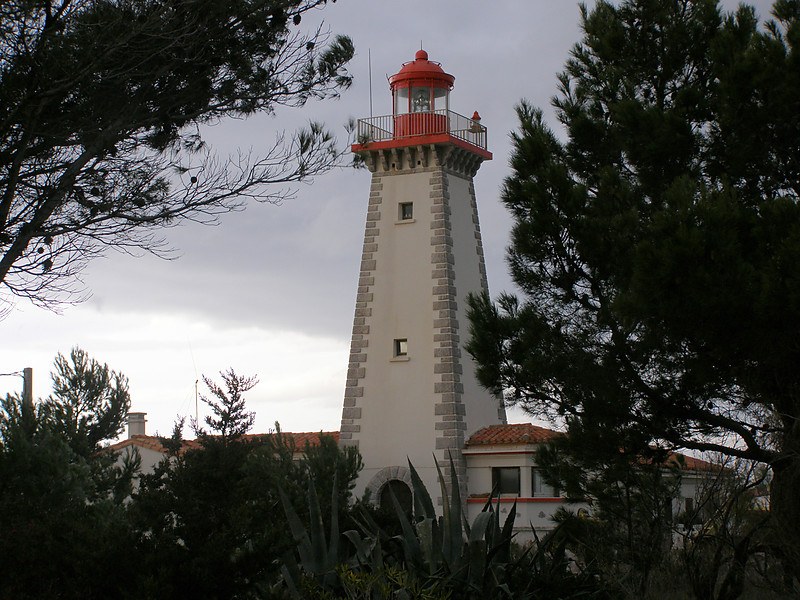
x: 401, y: 491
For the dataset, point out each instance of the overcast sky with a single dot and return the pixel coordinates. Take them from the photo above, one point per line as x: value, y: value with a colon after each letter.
x: 271, y: 290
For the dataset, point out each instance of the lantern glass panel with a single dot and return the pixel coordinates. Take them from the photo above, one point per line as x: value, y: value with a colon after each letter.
x: 421, y: 99
x: 440, y: 99
x: 401, y: 101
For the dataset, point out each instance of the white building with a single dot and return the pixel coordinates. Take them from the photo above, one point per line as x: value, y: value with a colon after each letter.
x: 498, y: 457
x: 502, y: 458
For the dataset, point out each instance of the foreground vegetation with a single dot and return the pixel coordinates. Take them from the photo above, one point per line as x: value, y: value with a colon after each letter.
x: 102, y: 108
x: 656, y: 244
x: 236, y: 516
x: 206, y: 523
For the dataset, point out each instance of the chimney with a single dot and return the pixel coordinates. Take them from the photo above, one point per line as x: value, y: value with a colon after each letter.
x: 136, y: 424
x: 27, y: 385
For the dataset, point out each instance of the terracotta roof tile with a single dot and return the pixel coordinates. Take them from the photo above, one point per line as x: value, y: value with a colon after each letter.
x: 513, y: 434
x: 690, y: 463
x: 299, y: 438
x: 527, y: 433
x: 152, y: 442
x: 494, y: 435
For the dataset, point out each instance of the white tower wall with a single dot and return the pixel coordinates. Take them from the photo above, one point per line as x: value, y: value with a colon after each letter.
x: 414, y: 280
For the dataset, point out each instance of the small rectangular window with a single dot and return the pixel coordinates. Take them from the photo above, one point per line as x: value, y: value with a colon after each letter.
x: 401, y: 347
x: 505, y: 480
x: 406, y: 211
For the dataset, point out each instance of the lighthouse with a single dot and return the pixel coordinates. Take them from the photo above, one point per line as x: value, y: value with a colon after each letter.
x: 411, y: 391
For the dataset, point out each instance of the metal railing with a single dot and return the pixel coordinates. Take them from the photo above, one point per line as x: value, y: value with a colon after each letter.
x: 409, y: 125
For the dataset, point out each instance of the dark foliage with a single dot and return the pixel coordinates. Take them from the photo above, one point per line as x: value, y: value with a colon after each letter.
x: 433, y: 557
x: 625, y: 534
x: 230, y: 420
x: 101, y: 108
x: 63, y: 526
x: 206, y: 523
x: 89, y: 403
x: 209, y: 519
x: 657, y: 246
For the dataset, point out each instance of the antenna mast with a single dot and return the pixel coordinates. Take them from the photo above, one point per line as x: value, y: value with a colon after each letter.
x: 369, y: 62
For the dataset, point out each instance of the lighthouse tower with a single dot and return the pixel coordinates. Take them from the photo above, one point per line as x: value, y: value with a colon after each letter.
x: 411, y: 390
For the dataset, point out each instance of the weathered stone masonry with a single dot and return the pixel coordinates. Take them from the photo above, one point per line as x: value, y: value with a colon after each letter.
x: 442, y: 163
x: 356, y: 368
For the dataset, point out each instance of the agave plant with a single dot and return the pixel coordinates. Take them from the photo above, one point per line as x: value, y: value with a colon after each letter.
x: 446, y: 549
x: 318, y: 557
x: 441, y: 556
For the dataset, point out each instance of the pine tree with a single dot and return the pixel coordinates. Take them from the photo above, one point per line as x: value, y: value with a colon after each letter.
x: 102, y: 104
x: 231, y: 420
x: 89, y: 403
x: 62, y: 514
x: 209, y: 518
x: 657, y: 243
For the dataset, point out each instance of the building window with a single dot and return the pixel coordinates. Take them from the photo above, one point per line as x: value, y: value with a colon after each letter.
x: 505, y: 480
x: 541, y: 487
x: 693, y: 513
x: 401, y: 347
x: 405, y: 211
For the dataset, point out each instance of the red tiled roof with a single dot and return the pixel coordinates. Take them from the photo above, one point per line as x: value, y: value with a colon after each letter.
x: 690, y: 463
x: 494, y: 435
x: 299, y: 439
x: 513, y: 434
x: 527, y: 433
x: 152, y: 442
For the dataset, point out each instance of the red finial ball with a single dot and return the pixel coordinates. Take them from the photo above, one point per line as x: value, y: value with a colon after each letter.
x: 421, y: 55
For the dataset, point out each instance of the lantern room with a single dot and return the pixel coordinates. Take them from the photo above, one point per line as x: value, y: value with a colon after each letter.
x: 421, y: 86
x: 421, y: 97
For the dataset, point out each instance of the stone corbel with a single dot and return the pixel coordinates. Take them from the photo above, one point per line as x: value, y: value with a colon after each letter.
x: 442, y: 154
x: 422, y: 156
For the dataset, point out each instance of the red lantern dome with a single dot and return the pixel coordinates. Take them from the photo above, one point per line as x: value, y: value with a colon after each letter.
x: 420, y: 92
x: 420, y: 78
x: 421, y: 113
